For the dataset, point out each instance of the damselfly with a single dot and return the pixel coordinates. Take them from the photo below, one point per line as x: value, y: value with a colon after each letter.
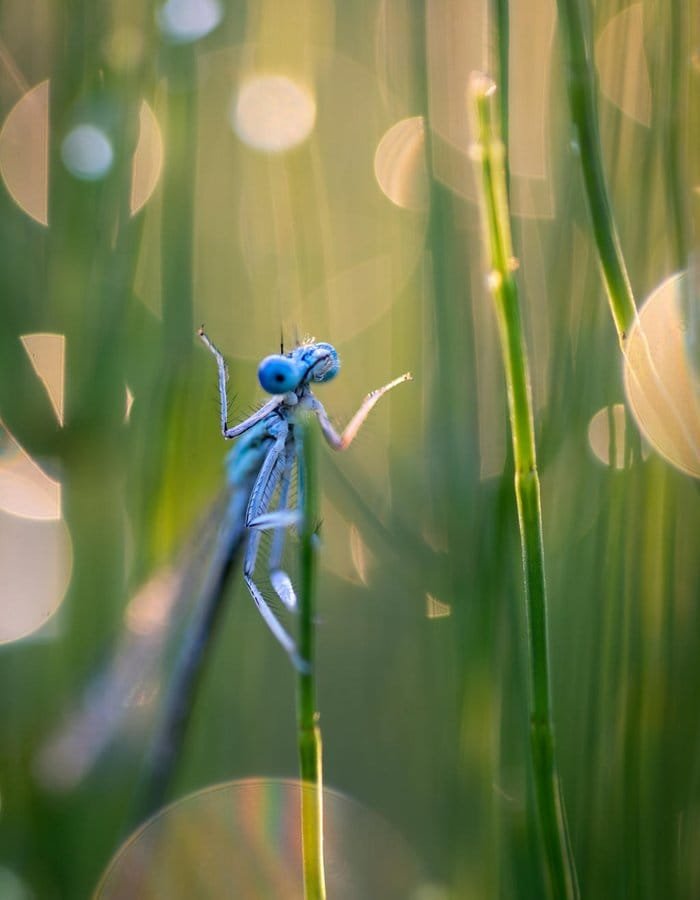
x: 259, y: 472
x: 272, y: 430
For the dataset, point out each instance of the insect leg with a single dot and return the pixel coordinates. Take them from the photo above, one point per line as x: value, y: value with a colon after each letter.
x: 258, y: 416
x: 263, y: 489
x: 223, y: 378
x: 342, y: 441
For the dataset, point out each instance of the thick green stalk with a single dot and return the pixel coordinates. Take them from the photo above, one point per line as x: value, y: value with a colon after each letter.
x: 489, y: 158
x: 582, y: 100
x: 309, y: 733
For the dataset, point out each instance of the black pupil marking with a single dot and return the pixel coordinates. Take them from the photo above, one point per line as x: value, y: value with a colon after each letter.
x: 279, y: 377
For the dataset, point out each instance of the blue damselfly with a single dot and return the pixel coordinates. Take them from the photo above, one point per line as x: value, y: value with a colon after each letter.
x: 260, y: 469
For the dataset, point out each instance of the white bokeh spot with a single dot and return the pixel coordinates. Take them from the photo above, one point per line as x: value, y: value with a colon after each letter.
x: 183, y: 21
x: 87, y: 152
x: 272, y: 113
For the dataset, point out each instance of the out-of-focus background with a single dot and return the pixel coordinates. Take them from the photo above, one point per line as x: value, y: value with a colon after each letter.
x: 262, y: 169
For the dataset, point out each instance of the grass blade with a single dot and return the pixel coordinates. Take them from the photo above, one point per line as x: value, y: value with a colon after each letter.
x: 309, y: 733
x: 489, y: 158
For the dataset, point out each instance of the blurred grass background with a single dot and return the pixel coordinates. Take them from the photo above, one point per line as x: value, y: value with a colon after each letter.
x: 307, y: 206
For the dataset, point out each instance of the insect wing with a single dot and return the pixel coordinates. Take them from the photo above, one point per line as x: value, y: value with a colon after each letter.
x: 118, y: 698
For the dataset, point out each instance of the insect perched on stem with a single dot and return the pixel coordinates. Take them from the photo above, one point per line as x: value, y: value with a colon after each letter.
x: 259, y: 472
x: 271, y: 436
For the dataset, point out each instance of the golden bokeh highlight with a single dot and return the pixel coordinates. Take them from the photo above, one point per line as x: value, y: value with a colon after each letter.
x: 457, y: 46
x: 249, y: 834
x: 24, y: 154
x: 436, y: 609
x: 399, y: 164
x: 47, y: 354
x: 273, y: 113
x: 660, y: 381
x: 608, y: 428
x: 278, y: 229
x: 148, y: 159
x: 35, y: 548
x: 624, y: 77
x: 35, y: 561
x: 26, y: 490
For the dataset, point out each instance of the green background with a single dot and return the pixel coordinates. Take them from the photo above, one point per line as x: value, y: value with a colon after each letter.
x: 423, y: 715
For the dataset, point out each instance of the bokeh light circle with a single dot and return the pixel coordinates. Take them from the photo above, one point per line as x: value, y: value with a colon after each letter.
x: 304, y: 242
x: 624, y: 78
x: 243, y: 839
x: 87, y: 152
x: 24, y: 153
x: 35, y: 559
x: 183, y: 21
x: 399, y: 164
x: 148, y: 159
x: 272, y: 113
x: 599, y: 436
x: 660, y: 381
x: 26, y: 491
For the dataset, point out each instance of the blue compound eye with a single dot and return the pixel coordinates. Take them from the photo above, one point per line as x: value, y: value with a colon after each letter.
x: 328, y: 366
x: 278, y: 374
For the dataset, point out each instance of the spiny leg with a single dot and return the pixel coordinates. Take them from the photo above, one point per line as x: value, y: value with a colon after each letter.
x: 271, y: 620
x: 343, y: 441
x: 258, y: 416
x: 223, y: 377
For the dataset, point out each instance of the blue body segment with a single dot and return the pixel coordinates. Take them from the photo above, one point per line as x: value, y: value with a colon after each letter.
x: 244, y: 459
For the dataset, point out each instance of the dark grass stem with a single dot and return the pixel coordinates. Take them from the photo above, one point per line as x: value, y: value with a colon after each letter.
x: 489, y: 159
x: 177, y: 224
x: 584, y: 115
x: 309, y: 733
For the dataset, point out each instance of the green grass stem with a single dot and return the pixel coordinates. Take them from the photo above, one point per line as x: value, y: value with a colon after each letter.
x: 177, y: 229
x: 584, y: 114
x: 489, y: 158
x: 501, y: 15
x: 309, y: 733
